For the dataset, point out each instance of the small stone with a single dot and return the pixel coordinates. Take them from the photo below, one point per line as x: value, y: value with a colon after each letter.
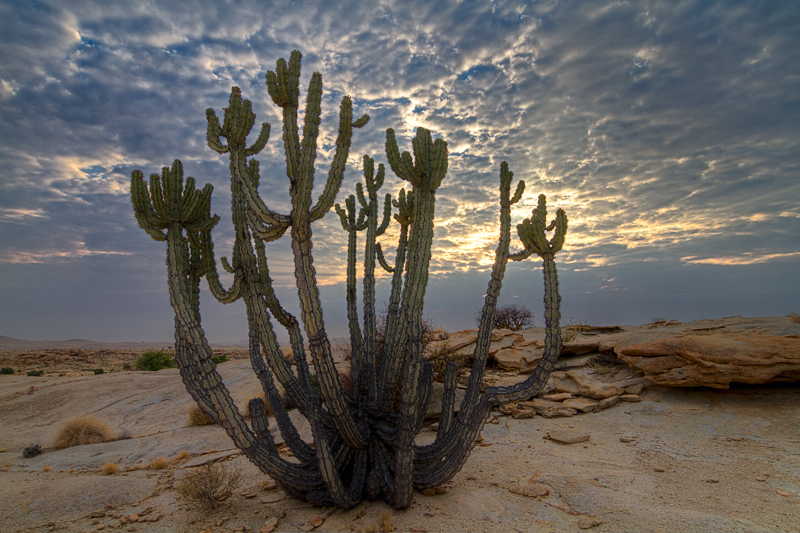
x: 634, y: 389
x: 521, y: 414
x: 605, y: 403
x: 783, y: 493
x: 508, y: 408
x: 712, y: 481
x: 219, y: 522
x: 567, y: 437
x: 627, y: 439
x: 239, y: 528
x: 588, y: 522
x: 269, y: 525
x: 558, y: 397
x: 101, y: 527
x: 133, y: 518
x: 761, y: 478
x: 429, y: 492
x: 95, y: 522
x: 630, y: 398
x: 269, y: 484
x: 98, y: 514
x: 441, y: 490
x: 659, y: 469
x: 581, y: 404
x: 317, y: 521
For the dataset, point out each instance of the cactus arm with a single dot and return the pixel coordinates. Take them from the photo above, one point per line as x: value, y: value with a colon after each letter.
x: 351, y: 226
x: 382, y: 259
x: 214, y: 284
x: 336, y: 172
x: 261, y: 142
x: 404, y: 447
x: 448, y: 399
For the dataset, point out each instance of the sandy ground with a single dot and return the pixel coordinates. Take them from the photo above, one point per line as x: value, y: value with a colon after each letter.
x: 679, y: 460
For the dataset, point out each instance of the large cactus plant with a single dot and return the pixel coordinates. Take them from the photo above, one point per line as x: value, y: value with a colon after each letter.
x: 363, y: 443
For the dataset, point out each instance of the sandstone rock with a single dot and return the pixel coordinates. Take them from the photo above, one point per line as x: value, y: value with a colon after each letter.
x: 630, y: 398
x: 523, y: 413
x: 579, y: 346
x: 506, y: 342
x: 578, y: 383
x: 558, y: 397
x: 608, y: 402
x: 547, y: 409
x: 514, y: 359
x: 581, y: 404
x: 563, y: 436
x: 679, y: 360
x: 634, y: 389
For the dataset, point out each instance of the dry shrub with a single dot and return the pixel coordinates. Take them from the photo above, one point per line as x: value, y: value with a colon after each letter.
x: 198, y: 417
x: 82, y: 429
x: 386, y: 521
x: 209, y: 485
x: 109, y: 468
x: 158, y: 463
x: 46, y: 468
x: 794, y: 318
x: 184, y: 455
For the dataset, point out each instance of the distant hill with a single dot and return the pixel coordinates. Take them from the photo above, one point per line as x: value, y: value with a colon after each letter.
x: 10, y: 343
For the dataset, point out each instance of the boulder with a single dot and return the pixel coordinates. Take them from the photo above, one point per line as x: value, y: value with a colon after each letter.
x: 515, y: 359
x: 581, y: 404
x: 678, y: 359
x: 578, y: 383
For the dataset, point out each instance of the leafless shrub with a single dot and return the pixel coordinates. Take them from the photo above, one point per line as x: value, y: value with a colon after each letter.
x: 794, y: 318
x: 109, y: 468
x: 209, y: 485
x: 513, y: 317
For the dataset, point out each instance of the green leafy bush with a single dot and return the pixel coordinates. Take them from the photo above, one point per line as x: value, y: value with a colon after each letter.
x: 217, y: 359
x: 6, y: 370
x: 154, y: 360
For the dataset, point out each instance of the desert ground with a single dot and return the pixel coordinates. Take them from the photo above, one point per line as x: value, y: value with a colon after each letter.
x: 643, y: 457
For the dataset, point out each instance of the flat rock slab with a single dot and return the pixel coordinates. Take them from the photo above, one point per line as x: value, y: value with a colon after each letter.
x: 680, y: 359
x: 59, y: 497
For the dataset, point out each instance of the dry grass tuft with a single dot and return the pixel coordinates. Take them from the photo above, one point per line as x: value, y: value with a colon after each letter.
x: 82, y: 429
x: 158, y: 463
x: 184, y: 455
x: 198, y: 417
x: 210, y: 485
x: 386, y: 521
x: 109, y: 468
x: 46, y: 468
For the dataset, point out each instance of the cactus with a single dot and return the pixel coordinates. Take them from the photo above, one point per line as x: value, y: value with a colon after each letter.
x: 363, y: 441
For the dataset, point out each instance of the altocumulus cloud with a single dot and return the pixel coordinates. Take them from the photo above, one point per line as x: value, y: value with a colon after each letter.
x: 670, y: 132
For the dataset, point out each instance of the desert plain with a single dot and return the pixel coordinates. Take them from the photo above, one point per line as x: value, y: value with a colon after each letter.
x: 660, y: 427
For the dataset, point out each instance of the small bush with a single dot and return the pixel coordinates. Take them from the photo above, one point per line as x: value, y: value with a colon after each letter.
x: 126, y: 366
x: 217, y: 359
x: 109, y: 468
x: 98, y: 371
x: 80, y: 430
x: 600, y: 364
x: 794, y: 318
x: 154, y: 361
x: 158, y: 463
x: 209, y: 485
x: 6, y: 370
x: 31, y: 451
x: 198, y: 417
x: 35, y: 373
x: 442, y: 354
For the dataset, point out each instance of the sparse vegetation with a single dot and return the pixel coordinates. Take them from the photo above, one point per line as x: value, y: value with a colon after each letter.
x: 217, y: 359
x: 46, y: 468
x: 513, y: 317
x: 109, y: 468
x: 794, y: 317
x: 35, y: 373
x: 198, y: 417
x: 155, y: 360
x: 209, y: 485
x: 600, y: 365
x: 158, y: 463
x: 6, y: 370
x: 80, y: 430
x: 98, y: 371
x: 441, y: 354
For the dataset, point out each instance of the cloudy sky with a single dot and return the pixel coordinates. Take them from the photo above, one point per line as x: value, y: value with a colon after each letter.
x: 668, y: 130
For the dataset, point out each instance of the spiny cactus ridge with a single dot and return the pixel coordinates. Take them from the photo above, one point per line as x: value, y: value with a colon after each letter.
x: 363, y: 443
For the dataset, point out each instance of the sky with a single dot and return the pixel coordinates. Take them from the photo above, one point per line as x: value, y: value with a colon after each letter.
x: 669, y: 131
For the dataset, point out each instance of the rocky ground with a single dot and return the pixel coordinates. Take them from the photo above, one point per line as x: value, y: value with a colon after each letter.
x: 603, y: 449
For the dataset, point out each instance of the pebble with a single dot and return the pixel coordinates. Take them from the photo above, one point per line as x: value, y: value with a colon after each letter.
x: 712, y: 481
x: 659, y: 469
x: 269, y: 525
x: 783, y: 493
x: 627, y: 439
x: 630, y: 398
